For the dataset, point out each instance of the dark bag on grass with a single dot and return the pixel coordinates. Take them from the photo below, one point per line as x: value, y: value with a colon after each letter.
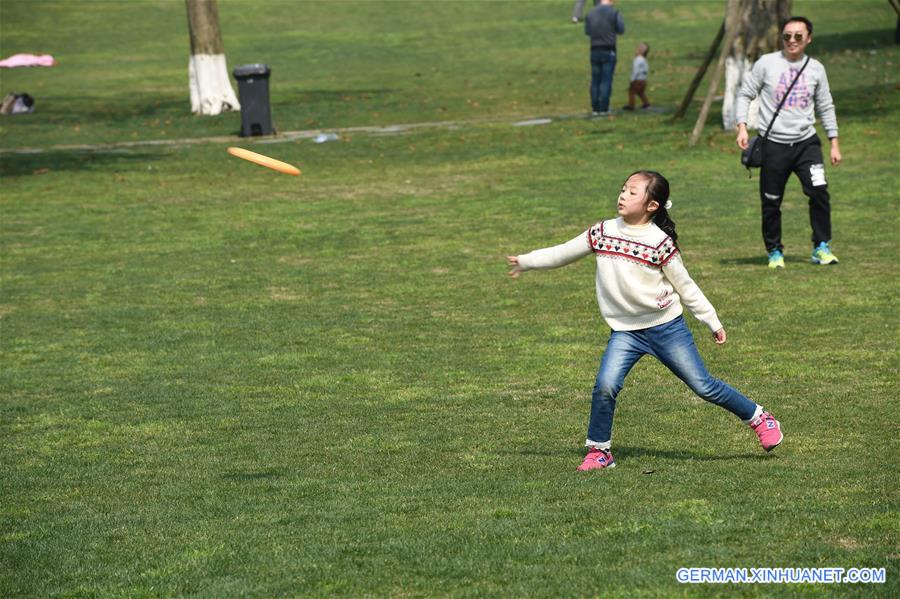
x: 752, y: 156
x: 17, y: 104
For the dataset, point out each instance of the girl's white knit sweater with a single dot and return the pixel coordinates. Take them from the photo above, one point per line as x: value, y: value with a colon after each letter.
x: 641, y: 280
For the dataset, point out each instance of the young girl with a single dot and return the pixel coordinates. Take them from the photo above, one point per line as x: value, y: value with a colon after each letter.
x: 641, y: 286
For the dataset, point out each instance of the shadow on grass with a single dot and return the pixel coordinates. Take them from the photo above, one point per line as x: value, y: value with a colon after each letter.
x: 864, y: 102
x: 626, y: 452
x: 760, y: 260
x: 24, y: 164
x: 131, y: 114
x: 335, y: 95
x: 119, y: 110
x: 114, y: 109
x: 668, y: 454
x: 830, y: 43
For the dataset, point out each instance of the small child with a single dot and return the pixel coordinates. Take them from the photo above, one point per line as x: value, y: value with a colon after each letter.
x: 641, y: 285
x: 640, y: 69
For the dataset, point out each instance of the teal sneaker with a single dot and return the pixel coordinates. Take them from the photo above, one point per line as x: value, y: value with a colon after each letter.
x: 776, y: 259
x: 822, y: 255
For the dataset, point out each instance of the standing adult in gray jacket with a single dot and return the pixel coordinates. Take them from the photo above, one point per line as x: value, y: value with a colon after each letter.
x: 602, y: 25
x: 792, y: 145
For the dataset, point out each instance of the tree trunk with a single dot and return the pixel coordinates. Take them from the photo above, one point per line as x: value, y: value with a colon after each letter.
x: 758, y: 33
x: 698, y: 77
x: 732, y: 12
x: 211, y: 91
x: 896, y: 6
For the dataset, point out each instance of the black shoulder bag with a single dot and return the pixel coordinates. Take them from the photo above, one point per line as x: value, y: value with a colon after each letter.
x: 752, y: 157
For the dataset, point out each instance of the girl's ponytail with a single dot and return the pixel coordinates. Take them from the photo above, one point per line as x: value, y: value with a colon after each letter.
x: 658, y: 189
x: 662, y: 220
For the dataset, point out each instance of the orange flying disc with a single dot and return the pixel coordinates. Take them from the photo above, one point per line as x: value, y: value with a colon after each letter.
x: 281, y: 167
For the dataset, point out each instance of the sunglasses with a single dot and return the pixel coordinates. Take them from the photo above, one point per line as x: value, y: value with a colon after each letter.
x: 798, y: 37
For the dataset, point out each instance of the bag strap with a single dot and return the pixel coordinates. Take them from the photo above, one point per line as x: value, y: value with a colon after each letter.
x: 784, y: 98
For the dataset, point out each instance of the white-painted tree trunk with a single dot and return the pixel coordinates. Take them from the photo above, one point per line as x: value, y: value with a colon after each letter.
x: 757, y: 32
x: 211, y: 91
x: 210, y: 87
x: 736, y: 68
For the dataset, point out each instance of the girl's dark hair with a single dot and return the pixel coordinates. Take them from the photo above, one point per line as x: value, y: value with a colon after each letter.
x: 658, y: 190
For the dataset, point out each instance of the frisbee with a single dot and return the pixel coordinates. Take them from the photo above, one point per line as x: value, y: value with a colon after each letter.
x: 281, y: 167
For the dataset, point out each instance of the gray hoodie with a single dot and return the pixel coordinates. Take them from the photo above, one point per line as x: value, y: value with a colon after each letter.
x: 769, y: 79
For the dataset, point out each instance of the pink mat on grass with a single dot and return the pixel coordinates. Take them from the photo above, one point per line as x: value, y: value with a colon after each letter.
x: 28, y: 60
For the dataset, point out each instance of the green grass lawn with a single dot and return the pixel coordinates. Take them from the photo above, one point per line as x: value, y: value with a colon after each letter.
x: 217, y: 380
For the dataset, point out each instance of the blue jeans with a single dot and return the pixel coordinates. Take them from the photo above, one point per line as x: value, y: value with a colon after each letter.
x: 673, y: 345
x: 603, y: 65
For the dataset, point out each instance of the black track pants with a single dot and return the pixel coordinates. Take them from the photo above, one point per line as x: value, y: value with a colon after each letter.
x: 804, y: 159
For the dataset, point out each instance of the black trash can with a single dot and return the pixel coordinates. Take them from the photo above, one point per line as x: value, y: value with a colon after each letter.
x: 253, y: 87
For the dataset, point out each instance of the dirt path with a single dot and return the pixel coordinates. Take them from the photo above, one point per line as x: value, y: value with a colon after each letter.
x: 289, y: 136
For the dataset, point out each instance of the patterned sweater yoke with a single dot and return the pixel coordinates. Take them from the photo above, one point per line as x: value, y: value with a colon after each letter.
x: 608, y: 243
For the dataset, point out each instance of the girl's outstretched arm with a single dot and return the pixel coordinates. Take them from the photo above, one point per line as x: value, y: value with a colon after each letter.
x: 551, y: 257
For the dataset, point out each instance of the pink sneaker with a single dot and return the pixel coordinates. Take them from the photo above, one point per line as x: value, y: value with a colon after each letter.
x: 768, y: 430
x: 597, y: 459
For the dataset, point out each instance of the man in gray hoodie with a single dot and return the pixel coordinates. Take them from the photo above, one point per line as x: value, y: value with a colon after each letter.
x: 792, y: 145
x: 602, y: 25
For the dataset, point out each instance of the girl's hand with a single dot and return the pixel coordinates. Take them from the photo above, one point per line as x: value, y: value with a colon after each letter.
x: 513, y: 262
x: 720, y: 337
